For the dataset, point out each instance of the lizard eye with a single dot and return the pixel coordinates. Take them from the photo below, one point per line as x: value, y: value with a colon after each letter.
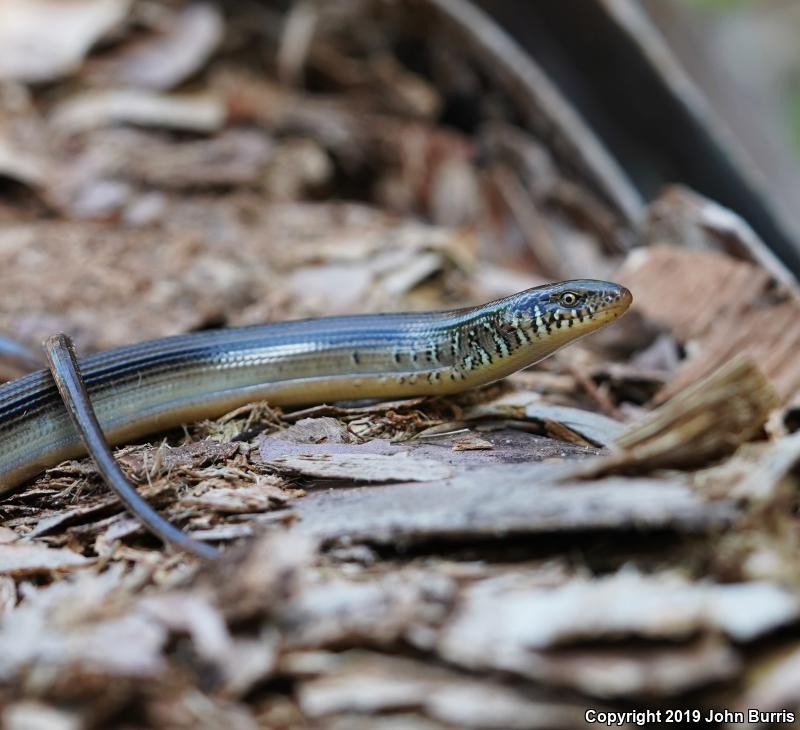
x: 568, y: 299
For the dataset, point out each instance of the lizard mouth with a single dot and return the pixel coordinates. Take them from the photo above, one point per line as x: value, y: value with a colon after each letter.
x: 621, y: 304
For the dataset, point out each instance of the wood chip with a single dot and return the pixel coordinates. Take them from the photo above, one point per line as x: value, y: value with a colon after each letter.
x: 163, y: 60
x: 775, y: 687
x: 316, y: 430
x: 634, y: 669
x: 472, y: 443
x: 22, y: 166
x: 367, y: 684
x: 41, y: 40
x: 32, y: 558
x: 28, y: 715
x: 706, y: 421
x: 592, y: 428
x: 363, y: 467
x: 238, y: 500
x: 198, y: 113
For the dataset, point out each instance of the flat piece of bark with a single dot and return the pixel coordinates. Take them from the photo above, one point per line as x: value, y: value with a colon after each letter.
x: 363, y: 467
x: 510, y: 616
x: 759, y: 473
x: 380, y: 610
x: 595, y: 427
x: 272, y: 447
x: 505, y: 500
x: 367, y: 684
x: 500, y: 445
x: 631, y: 669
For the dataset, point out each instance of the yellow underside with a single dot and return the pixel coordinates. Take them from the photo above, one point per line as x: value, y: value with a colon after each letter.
x: 144, y: 408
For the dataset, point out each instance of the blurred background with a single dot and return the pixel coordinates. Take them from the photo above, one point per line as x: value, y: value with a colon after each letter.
x: 703, y: 93
x: 745, y: 57
x: 615, y: 527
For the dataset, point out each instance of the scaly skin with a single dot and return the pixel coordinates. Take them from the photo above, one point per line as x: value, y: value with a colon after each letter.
x: 142, y: 389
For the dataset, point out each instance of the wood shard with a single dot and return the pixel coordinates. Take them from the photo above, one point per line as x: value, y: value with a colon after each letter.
x: 32, y: 558
x: 706, y: 421
x: 363, y: 683
x: 202, y: 113
x: 662, y: 606
x: 681, y: 214
x: 364, y: 467
x: 723, y: 306
x: 42, y: 40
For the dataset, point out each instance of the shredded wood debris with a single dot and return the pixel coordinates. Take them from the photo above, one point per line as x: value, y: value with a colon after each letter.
x: 704, y: 422
x: 723, y: 308
x: 613, y: 528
